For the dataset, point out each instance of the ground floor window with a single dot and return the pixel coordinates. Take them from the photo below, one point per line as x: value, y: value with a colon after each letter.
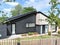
x: 30, y: 24
x: 46, y: 28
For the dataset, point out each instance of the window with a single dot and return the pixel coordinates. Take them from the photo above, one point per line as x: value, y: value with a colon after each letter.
x: 46, y: 19
x: 46, y: 28
x: 40, y: 19
x: 30, y: 25
x: 27, y: 25
x: 0, y: 35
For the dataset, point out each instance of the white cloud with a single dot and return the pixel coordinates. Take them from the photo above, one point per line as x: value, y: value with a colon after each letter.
x: 12, y: 3
x: 38, y: 4
x: 59, y: 0
x: 8, y: 10
x: 31, y: 0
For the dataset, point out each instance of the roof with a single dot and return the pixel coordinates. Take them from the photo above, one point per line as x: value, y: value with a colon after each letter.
x: 22, y: 15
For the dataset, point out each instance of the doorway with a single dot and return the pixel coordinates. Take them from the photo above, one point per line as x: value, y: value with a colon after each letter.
x: 13, y: 28
x: 43, y: 29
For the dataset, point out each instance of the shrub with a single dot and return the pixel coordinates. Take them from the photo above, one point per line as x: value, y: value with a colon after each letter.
x: 49, y: 33
x: 30, y: 33
x: 24, y: 34
x: 18, y: 40
x: 58, y: 31
x: 35, y: 33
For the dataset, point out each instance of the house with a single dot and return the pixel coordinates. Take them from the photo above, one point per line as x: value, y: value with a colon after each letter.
x: 30, y: 22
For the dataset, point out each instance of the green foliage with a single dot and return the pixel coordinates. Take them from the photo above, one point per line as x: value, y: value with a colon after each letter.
x: 49, y: 33
x: 3, y: 18
x: 17, y: 10
x: 58, y: 31
x: 18, y: 40
x: 30, y: 33
x: 20, y: 10
x: 28, y: 9
x: 54, y: 12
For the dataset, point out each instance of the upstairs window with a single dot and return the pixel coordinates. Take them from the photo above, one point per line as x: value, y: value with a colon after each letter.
x: 30, y: 24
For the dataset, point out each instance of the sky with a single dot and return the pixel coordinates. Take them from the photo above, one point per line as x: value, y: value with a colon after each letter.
x: 39, y: 5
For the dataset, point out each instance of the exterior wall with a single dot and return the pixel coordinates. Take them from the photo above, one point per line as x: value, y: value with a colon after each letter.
x: 38, y: 29
x: 9, y: 31
x: 3, y: 31
x: 41, y: 19
x: 21, y: 24
x: 58, y: 29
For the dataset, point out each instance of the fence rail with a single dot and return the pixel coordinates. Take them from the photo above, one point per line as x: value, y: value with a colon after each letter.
x: 49, y: 41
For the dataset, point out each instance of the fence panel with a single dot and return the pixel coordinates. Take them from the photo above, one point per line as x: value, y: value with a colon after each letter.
x: 58, y: 41
x: 50, y: 41
x: 39, y: 42
x: 8, y: 42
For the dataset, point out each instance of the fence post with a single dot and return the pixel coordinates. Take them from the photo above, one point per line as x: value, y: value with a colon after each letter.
x: 56, y: 42
x: 18, y: 43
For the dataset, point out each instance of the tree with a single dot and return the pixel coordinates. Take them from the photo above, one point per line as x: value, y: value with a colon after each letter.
x: 3, y: 18
x: 20, y: 10
x: 28, y: 9
x: 17, y: 10
x: 54, y: 13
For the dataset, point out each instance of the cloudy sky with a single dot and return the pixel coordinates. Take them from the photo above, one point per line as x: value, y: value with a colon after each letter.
x: 39, y: 5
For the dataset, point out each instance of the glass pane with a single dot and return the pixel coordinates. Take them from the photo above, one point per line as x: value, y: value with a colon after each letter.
x: 46, y: 28
x: 31, y: 24
x: 13, y: 28
x: 27, y: 25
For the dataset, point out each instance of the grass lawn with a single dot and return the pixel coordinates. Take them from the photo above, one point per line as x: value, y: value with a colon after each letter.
x: 38, y: 37
x: 35, y: 37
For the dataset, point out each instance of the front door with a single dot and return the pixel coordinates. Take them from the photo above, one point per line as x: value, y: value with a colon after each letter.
x: 13, y: 28
x: 43, y: 29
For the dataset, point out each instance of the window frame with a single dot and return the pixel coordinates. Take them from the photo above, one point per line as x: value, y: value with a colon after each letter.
x: 30, y: 25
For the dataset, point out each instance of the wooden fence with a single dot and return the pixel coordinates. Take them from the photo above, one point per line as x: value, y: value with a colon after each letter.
x: 50, y: 41
x: 8, y: 42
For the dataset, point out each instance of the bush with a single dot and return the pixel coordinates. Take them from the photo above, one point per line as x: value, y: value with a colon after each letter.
x: 18, y: 40
x: 24, y: 34
x: 35, y: 33
x: 30, y: 33
x: 49, y: 33
x: 58, y: 31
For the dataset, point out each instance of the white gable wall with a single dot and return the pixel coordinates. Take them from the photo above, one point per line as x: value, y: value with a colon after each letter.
x: 41, y: 19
